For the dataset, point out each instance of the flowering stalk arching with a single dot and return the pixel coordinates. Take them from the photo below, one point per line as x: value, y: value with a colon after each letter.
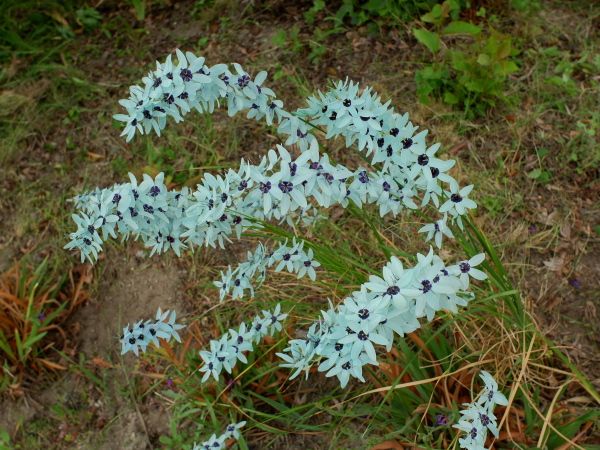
x: 279, y: 186
x: 218, y: 442
x: 294, y: 259
x: 478, y: 417
x: 344, y: 340
x: 142, y: 333
x: 174, y: 90
x: 225, y: 352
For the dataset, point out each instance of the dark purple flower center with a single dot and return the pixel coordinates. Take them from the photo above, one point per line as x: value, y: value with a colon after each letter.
x: 363, y: 177
x: 464, y: 267
x: 265, y: 187
x: 426, y: 286
x: 485, y: 420
x: 456, y: 198
x: 243, y: 81
x: 286, y: 186
x: 362, y: 335
x: 423, y: 160
x: 393, y: 290
x: 154, y: 191
x: 406, y: 143
x: 186, y: 74
x: 363, y: 313
x: 394, y: 132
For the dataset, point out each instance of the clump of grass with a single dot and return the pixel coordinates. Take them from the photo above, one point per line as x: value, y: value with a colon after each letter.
x: 34, y: 305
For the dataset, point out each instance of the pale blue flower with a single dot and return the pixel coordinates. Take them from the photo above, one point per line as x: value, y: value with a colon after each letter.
x: 218, y: 442
x: 142, y: 333
x: 226, y: 351
x: 437, y: 230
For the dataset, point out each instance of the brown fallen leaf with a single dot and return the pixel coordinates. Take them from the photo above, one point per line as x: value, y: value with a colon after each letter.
x: 95, y: 156
x: 99, y: 362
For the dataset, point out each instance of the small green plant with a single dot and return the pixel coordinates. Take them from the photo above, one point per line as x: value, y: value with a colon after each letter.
x: 472, y: 75
x: 33, y: 305
x: 139, y: 9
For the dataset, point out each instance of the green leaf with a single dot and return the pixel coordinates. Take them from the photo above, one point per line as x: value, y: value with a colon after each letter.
x: 535, y: 174
x: 311, y: 14
x: 433, y: 16
x: 428, y: 39
x: 450, y: 98
x: 460, y: 27
x: 483, y: 59
x: 279, y: 38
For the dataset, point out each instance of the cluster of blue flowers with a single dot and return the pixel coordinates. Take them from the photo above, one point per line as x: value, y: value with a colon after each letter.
x: 280, y: 187
x: 142, y: 333
x: 294, y: 259
x: 293, y: 187
x: 230, y: 348
x: 479, y: 416
x: 343, y: 341
x: 219, y: 442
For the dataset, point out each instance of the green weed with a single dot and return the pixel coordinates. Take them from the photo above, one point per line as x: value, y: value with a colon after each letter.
x: 470, y: 75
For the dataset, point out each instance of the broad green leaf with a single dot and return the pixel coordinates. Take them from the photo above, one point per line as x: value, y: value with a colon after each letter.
x: 450, y: 98
x: 428, y: 39
x: 483, y: 59
x: 433, y: 16
x: 460, y: 27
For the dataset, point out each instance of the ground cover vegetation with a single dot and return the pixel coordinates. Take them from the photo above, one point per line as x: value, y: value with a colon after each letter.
x: 510, y: 90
